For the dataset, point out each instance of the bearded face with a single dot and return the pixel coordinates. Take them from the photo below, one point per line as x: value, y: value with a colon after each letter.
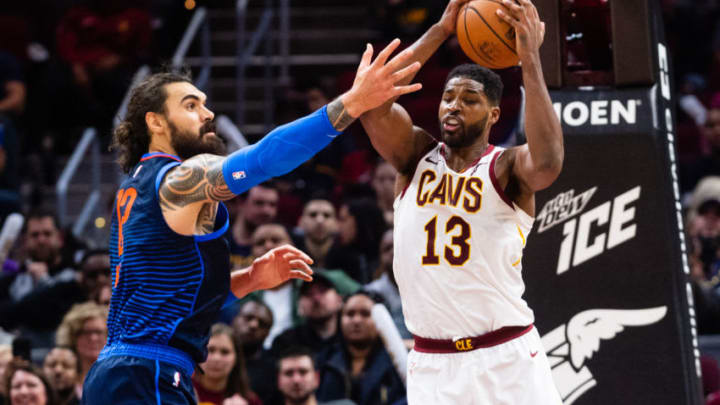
x: 188, y: 143
x: 465, y: 112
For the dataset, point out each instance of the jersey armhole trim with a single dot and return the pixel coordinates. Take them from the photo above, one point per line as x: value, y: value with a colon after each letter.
x: 161, y: 175
x: 422, y: 155
x: 224, y: 217
x: 496, y: 183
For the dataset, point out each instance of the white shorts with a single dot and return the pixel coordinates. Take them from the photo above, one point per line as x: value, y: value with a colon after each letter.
x: 512, y: 373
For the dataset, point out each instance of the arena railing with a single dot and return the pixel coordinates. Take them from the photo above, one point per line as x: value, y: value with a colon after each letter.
x: 245, y: 52
x: 89, y: 143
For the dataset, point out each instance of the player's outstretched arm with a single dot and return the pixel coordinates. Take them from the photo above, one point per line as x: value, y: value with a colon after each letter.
x: 270, y: 270
x: 538, y: 163
x: 389, y: 126
x: 202, y: 179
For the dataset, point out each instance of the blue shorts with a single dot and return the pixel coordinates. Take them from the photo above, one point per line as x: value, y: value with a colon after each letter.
x: 128, y: 379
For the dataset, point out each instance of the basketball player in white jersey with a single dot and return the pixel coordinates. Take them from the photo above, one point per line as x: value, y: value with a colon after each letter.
x: 463, y: 212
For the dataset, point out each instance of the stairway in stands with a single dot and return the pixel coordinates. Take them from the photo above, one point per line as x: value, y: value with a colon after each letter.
x: 326, y: 39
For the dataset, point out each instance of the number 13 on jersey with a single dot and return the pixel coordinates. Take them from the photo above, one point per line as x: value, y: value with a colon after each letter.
x: 458, y: 252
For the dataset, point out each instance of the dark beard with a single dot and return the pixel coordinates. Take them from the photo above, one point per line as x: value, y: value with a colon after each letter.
x: 300, y: 400
x: 468, y: 134
x: 187, y: 144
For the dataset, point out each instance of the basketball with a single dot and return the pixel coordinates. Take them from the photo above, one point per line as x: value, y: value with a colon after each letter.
x: 484, y: 37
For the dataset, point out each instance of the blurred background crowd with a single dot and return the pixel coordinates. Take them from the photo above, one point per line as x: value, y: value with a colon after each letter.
x: 65, y: 65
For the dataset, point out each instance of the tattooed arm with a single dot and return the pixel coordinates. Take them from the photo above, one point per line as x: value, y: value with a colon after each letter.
x: 190, y: 192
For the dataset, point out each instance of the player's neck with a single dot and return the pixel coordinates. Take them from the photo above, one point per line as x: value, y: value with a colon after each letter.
x: 161, y: 144
x: 459, y: 158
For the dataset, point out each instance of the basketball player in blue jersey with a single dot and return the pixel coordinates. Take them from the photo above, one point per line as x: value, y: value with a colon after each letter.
x: 170, y: 265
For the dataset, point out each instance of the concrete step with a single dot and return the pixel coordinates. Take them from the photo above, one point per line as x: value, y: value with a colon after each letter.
x: 309, y: 41
x: 316, y: 17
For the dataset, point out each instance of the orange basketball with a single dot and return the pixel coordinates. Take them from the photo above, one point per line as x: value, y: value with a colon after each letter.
x: 484, y: 37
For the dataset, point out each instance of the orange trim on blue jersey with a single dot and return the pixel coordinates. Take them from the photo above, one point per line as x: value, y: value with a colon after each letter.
x: 158, y: 154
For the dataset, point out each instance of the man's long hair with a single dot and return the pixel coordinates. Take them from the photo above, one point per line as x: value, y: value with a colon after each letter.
x: 131, y: 138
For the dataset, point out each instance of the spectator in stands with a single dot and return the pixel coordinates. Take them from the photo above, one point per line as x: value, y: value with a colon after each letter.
x: 61, y: 368
x: 703, y: 227
x: 84, y: 329
x: 385, y: 285
x: 103, y: 43
x: 298, y: 378
x: 703, y: 234
x: 45, y: 264
x: 5, y: 359
x: 709, y: 164
x: 281, y: 299
x: 26, y: 384
x: 319, y: 304
x: 12, y: 86
x: 361, y: 225
x: 383, y: 182
x: 225, y: 379
x: 359, y: 368
x: 41, y: 311
x: 12, y: 103
x: 257, y: 207
x: 252, y: 326
x: 318, y: 227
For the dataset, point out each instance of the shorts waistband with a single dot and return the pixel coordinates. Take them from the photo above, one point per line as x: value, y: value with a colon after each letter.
x: 490, y: 339
x: 162, y: 353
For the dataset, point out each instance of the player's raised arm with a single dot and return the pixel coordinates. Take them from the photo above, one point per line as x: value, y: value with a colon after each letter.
x: 538, y: 163
x: 210, y: 178
x: 389, y: 126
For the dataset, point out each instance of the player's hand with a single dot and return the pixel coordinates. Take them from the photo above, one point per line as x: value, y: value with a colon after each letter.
x: 529, y: 30
x: 235, y: 400
x: 279, y: 265
x: 375, y: 80
x: 448, y: 21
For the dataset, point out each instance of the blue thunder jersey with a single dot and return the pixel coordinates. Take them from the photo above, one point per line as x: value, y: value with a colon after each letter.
x: 167, y: 288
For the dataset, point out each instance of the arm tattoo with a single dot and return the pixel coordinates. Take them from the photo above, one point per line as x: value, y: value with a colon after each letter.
x: 206, y: 219
x: 338, y: 115
x: 197, y: 179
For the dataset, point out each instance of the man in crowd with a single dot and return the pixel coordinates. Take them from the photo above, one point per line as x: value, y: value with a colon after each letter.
x: 359, y: 368
x: 45, y: 264
x: 318, y: 224
x: 257, y: 208
x: 44, y: 308
x: 298, y: 378
x: 319, y: 304
x: 252, y: 326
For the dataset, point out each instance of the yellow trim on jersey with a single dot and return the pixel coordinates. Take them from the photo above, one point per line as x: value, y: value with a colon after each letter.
x: 521, y: 235
x: 517, y: 262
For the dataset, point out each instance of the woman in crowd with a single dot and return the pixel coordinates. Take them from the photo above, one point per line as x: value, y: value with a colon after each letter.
x: 225, y: 380
x: 84, y: 330
x: 61, y: 368
x: 25, y: 384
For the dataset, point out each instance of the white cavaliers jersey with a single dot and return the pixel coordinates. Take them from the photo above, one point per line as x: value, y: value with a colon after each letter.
x: 458, y: 247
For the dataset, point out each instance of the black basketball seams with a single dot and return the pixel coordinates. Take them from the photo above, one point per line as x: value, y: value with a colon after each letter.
x: 469, y: 40
x: 491, y: 28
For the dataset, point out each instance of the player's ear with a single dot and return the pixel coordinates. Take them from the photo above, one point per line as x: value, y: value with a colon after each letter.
x: 155, y: 122
x: 494, y: 114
